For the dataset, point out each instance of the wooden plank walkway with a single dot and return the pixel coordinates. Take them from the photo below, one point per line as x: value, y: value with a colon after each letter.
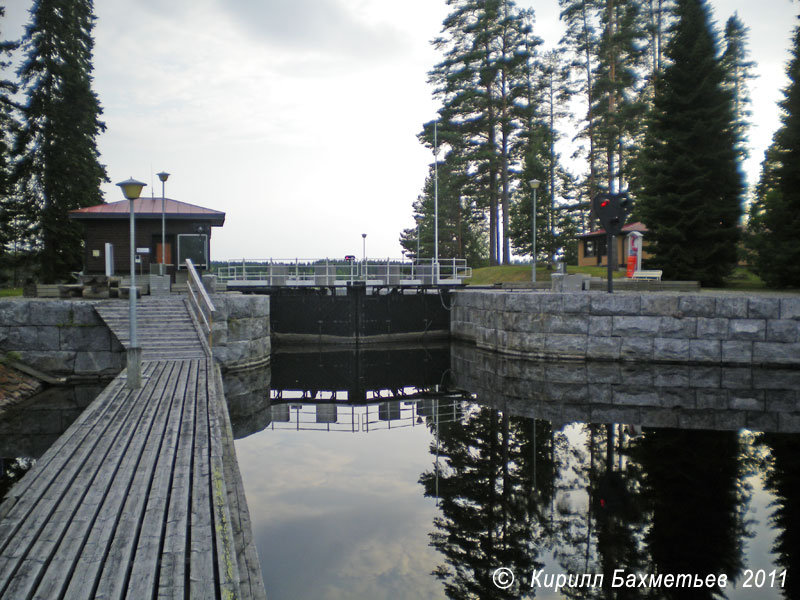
x: 140, y: 498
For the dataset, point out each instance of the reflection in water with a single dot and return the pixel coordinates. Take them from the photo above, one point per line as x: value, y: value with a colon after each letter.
x: 28, y: 429
x: 783, y: 479
x: 570, y: 469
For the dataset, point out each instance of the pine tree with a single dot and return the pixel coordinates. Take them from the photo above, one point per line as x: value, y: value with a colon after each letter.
x: 618, y: 109
x: 582, y: 38
x: 775, y: 216
x: 478, y: 83
x: 58, y: 168
x: 461, y: 225
x: 546, y: 95
x: 689, y: 184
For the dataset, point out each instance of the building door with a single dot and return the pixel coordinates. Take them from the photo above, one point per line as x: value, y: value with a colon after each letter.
x: 167, y: 254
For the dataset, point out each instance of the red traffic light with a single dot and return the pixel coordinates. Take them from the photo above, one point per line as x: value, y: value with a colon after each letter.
x: 604, y: 203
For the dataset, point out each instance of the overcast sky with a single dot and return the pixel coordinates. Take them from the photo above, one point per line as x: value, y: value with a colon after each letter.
x: 298, y: 118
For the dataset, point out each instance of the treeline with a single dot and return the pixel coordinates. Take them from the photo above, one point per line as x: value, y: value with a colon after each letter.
x: 49, y: 123
x: 656, y: 103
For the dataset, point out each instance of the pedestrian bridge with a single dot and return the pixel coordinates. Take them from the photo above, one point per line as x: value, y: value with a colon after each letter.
x: 326, y: 272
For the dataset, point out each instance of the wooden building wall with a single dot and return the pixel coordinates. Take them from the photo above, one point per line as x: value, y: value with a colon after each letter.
x: 98, y: 232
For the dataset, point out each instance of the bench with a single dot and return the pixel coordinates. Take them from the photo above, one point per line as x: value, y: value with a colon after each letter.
x: 652, y: 275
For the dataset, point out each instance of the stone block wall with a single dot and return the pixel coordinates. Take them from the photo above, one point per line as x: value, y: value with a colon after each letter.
x: 59, y: 337
x: 671, y: 328
x: 241, y: 332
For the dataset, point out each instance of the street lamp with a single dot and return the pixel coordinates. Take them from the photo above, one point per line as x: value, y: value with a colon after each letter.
x: 436, y: 203
x: 132, y: 189
x: 534, y: 186
x: 364, y: 250
x: 163, y: 176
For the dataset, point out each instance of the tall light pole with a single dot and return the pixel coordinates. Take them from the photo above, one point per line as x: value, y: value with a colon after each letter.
x: 364, y: 253
x: 132, y: 189
x: 163, y: 176
x: 435, y: 203
x: 534, y: 186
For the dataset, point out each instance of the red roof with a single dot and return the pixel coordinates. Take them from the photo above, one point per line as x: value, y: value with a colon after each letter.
x: 637, y: 226
x: 149, y: 208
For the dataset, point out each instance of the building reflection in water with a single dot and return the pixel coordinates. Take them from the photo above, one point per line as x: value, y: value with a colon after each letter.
x: 575, y: 468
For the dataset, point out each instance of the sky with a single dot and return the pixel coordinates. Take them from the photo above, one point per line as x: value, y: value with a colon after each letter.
x: 298, y: 118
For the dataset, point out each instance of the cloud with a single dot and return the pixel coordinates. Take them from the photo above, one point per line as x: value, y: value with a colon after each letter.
x: 326, y: 27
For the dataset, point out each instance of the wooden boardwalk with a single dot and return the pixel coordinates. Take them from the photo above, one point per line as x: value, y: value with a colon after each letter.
x: 140, y: 498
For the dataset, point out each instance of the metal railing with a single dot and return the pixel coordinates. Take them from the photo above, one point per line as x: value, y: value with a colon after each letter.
x: 200, y: 300
x: 342, y: 417
x: 331, y: 272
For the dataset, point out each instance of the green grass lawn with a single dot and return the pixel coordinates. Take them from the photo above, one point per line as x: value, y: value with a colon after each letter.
x: 522, y: 273
x: 742, y: 279
x: 6, y: 292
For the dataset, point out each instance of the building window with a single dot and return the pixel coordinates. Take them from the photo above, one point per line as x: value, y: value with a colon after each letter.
x: 594, y: 247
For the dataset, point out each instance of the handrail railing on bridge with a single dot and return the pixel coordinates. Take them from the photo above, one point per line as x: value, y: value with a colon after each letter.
x: 331, y: 272
x: 200, y: 300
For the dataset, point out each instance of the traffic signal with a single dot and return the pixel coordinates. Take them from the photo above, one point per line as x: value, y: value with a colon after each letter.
x: 612, y: 210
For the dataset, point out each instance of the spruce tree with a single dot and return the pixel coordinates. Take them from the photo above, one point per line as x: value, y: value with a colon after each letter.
x: 739, y: 71
x: 7, y: 127
x: 775, y: 216
x: 58, y: 168
x: 689, y: 184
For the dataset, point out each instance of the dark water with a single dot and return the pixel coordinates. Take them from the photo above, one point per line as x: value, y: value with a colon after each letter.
x: 480, y: 463
x: 30, y: 428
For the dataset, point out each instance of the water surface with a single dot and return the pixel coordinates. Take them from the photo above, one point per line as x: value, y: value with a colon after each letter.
x: 482, y: 466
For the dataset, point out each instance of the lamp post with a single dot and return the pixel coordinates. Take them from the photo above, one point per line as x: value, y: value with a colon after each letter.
x: 163, y: 176
x: 132, y: 189
x: 436, y: 203
x: 364, y: 254
x: 534, y: 186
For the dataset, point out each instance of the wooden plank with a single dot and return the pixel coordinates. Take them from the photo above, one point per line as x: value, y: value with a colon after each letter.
x: 145, y: 568
x: 172, y: 575
x: 251, y: 581
x: 57, y: 492
x: 115, y: 571
x: 61, y: 450
x: 86, y: 540
x: 227, y: 558
x: 203, y: 576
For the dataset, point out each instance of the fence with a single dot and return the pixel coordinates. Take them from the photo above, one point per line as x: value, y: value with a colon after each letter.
x: 329, y: 272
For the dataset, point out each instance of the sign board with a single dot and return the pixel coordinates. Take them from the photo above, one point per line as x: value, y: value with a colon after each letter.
x: 143, y: 251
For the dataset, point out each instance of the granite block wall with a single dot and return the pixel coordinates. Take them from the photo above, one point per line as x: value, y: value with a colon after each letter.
x: 672, y: 328
x: 59, y: 337
x: 241, y: 333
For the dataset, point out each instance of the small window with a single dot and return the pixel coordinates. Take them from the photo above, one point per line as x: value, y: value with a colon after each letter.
x: 589, y: 248
x: 195, y: 247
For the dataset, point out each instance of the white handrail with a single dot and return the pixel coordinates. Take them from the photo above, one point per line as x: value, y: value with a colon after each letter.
x: 299, y: 271
x: 206, y: 310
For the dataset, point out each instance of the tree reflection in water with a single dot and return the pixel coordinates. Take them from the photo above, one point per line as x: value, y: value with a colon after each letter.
x: 783, y: 479
x: 514, y: 492
x: 495, y: 480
